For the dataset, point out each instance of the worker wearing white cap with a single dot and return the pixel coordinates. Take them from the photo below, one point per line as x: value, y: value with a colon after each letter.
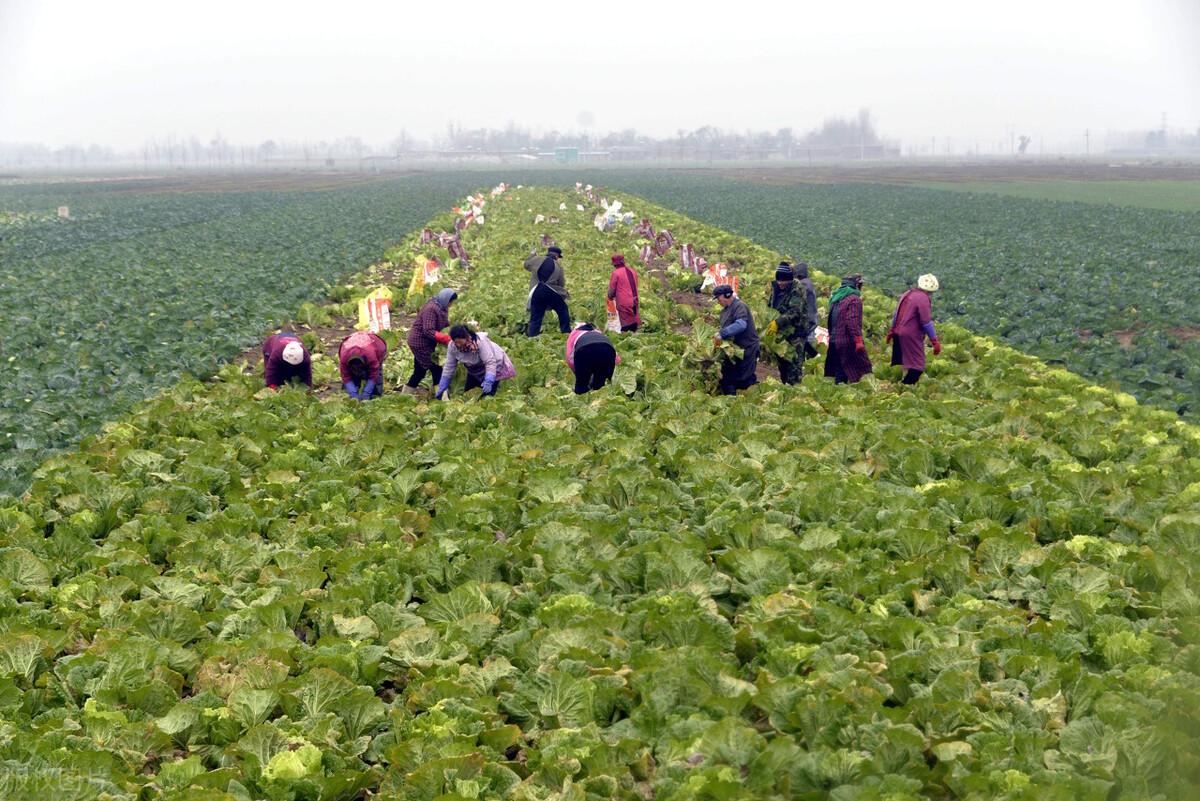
x: 911, y: 323
x: 286, y: 359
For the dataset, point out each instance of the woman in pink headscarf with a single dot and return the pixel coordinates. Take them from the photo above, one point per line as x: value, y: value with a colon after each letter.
x: 623, y: 288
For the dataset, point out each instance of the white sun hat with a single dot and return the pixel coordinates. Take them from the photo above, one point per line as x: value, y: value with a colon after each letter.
x: 293, y: 352
x: 928, y: 282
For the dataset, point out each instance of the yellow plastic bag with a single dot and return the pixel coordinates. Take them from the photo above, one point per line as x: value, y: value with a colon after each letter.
x: 375, y: 311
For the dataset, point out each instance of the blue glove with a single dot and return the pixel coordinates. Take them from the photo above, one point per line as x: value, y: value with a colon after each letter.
x: 489, y: 384
x: 368, y: 390
x: 443, y: 385
x: 351, y: 389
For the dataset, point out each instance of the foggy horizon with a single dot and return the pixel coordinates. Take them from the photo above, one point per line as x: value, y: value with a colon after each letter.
x: 123, y: 74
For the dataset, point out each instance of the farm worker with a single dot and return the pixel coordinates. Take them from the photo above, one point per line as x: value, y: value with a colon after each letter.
x: 360, y: 358
x: 847, y: 359
x: 591, y: 357
x: 547, y: 290
x: 286, y: 359
x: 424, y: 337
x: 623, y: 289
x: 805, y: 285
x: 787, y: 298
x: 736, y: 324
x: 486, y: 362
x: 911, y: 323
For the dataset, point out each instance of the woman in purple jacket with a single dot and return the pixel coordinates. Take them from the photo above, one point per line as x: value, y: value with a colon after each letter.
x: 911, y: 323
x: 286, y: 359
x: 847, y: 360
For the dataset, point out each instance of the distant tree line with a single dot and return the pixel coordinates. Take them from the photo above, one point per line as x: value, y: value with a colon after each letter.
x: 173, y: 151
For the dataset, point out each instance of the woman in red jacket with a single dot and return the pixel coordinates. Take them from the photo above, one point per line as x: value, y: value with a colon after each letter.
x: 911, y: 323
x: 847, y: 360
x: 623, y: 288
x: 360, y: 358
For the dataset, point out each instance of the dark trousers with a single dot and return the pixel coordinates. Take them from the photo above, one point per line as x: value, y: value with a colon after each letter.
x: 594, y: 366
x: 731, y: 383
x: 473, y: 382
x: 419, y: 373
x: 792, y: 370
x: 630, y: 327
x: 911, y: 377
x: 544, y: 298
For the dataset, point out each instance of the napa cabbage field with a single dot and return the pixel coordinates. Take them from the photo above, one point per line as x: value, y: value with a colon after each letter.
x: 980, y: 587
x: 1108, y: 292
x: 141, y: 286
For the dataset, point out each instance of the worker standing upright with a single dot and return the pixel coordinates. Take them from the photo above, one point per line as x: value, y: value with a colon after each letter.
x: 847, y: 360
x: 911, y: 323
x: 788, y: 300
x: 737, y: 325
x: 547, y: 290
x: 623, y: 291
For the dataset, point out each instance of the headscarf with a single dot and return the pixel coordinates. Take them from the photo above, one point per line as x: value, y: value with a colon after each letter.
x: 445, y: 297
x: 850, y: 286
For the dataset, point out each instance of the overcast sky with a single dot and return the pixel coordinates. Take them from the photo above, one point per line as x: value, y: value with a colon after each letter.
x: 119, y: 71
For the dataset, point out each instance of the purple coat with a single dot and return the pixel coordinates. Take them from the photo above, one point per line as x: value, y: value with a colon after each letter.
x: 277, y: 372
x: 842, y: 336
x: 430, y: 319
x: 910, y: 323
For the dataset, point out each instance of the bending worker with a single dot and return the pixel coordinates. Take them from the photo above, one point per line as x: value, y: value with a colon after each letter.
x: 424, y: 337
x: 788, y: 300
x: 736, y: 324
x: 591, y: 357
x: 547, y: 290
x: 911, y: 323
x: 486, y: 362
x: 286, y: 359
x: 360, y: 358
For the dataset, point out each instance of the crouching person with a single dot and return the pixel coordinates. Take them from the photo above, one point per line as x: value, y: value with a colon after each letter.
x: 591, y: 357
x: 486, y: 362
x: 285, y: 359
x: 360, y: 358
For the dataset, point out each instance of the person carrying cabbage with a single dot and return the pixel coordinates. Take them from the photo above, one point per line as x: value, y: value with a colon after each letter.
x: 788, y: 299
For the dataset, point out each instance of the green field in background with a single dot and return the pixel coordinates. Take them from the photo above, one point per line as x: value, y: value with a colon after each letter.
x: 1168, y: 195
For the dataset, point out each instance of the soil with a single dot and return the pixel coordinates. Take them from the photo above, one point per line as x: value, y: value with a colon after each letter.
x: 1185, y: 333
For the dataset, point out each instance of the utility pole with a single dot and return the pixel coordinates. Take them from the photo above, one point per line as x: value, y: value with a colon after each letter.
x: 1087, y: 142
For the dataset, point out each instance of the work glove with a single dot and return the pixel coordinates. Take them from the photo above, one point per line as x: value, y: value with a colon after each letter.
x: 859, y: 346
x: 441, y: 390
x: 773, y: 328
x: 937, y: 347
x: 489, y: 384
x: 367, y: 391
x: 351, y: 389
x: 888, y: 338
x: 273, y: 386
x: 442, y: 338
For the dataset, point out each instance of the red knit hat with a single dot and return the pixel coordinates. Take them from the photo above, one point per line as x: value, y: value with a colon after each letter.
x: 618, y: 260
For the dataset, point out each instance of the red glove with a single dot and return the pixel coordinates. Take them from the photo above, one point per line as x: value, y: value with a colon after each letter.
x: 441, y: 338
x: 273, y: 386
x: 859, y: 346
x: 888, y: 338
x: 937, y: 347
